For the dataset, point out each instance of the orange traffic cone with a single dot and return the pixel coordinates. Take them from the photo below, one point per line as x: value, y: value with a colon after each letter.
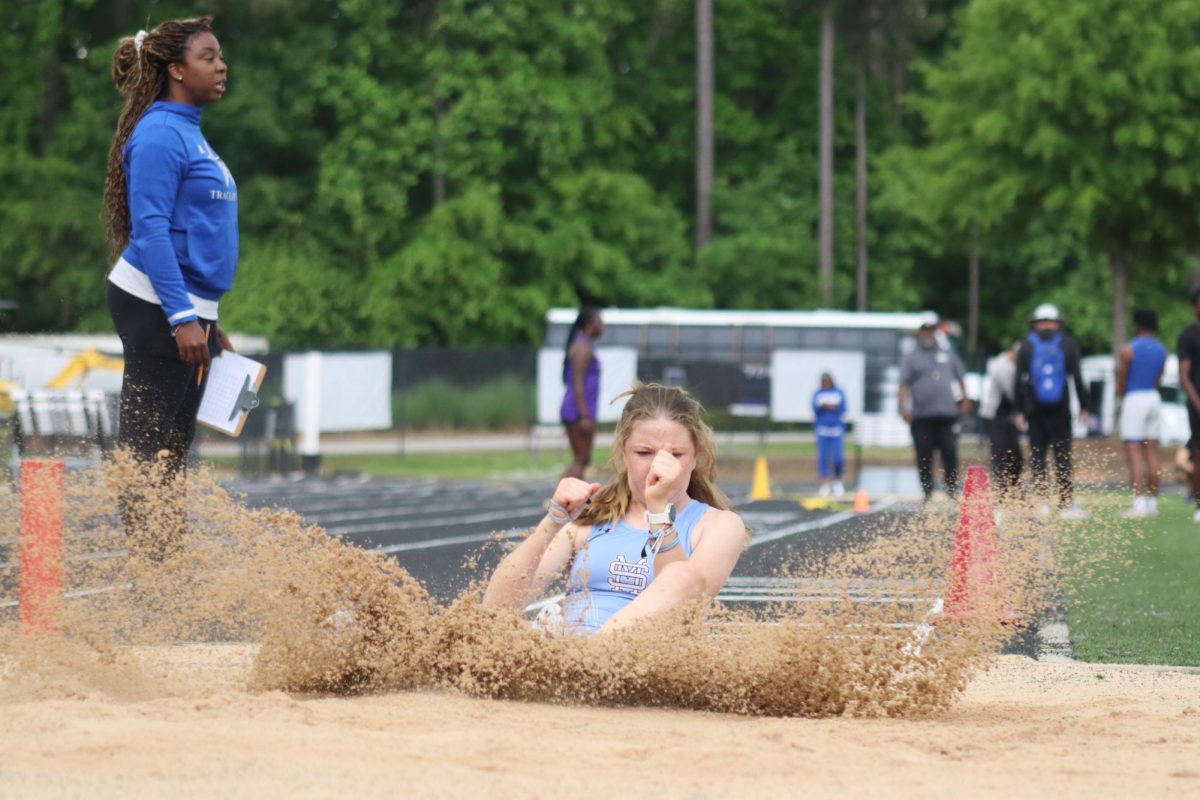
x: 760, y: 489
x: 862, y: 503
x: 975, y: 586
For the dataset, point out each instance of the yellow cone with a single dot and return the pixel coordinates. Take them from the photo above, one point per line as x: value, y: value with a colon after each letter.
x: 862, y: 503
x: 760, y: 489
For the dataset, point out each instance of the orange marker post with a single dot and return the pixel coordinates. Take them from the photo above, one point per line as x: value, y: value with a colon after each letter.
x: 975, y: 582
x: 41, y: 542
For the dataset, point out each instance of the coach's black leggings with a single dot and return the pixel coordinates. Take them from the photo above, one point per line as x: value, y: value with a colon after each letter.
x: 936, y: 433
x: 159, y: 400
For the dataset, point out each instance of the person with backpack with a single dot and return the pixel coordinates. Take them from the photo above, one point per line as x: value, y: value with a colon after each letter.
x: 1048, y: 357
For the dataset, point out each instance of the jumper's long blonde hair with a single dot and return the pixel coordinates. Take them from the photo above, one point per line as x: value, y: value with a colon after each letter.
x: 647, y: 402
x: 140, y: 75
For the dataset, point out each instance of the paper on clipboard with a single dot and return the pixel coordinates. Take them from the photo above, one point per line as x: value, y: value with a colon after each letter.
x: 231, y: 392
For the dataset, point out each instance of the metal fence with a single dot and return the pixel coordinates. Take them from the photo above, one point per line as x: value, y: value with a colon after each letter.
x: 446, y: 388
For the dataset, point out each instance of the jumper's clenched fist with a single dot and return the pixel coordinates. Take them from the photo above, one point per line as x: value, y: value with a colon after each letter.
x: 573, y: 494
x: 664, y: 480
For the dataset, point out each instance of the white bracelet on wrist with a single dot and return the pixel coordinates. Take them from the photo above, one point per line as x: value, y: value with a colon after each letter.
x: 557, y: 512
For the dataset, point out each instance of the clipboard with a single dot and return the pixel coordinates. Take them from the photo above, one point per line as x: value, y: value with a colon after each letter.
x: 231, y: 392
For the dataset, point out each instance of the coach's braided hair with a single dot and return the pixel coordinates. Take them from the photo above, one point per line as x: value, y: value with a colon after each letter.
x: 139, y: 71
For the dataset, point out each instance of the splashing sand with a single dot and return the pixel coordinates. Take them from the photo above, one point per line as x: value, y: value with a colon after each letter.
x: 316, y: 617
x: 337, y: 619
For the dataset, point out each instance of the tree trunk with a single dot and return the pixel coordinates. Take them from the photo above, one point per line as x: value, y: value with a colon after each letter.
x: 439, y: 163
x: 899, y: 70
x: 48, y: 118
x: 973, y: 298
x: 705, y: 148
x: 860, y: 150
x: 826, y: 147
x: 1118, y: 264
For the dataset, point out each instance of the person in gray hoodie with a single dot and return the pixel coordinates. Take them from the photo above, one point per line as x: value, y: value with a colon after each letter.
x: 929, y: 374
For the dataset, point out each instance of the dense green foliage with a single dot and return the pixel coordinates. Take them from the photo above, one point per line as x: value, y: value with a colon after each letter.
x: 442, y: 171
x: 506, y: 403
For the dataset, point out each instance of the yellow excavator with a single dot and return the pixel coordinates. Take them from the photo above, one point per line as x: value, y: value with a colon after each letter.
x: 80, y: 365
x: 6, y: 401
x: 71, y: 375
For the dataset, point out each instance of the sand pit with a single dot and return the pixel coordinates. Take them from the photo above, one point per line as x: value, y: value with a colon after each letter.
x: 1064, y: 730
x: 359, y: 684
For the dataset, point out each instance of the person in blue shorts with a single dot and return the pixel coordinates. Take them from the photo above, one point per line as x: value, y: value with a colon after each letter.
x: 659, y: 535
x: 829, y: 407
x: 1139, y: 372
x: 581, y: 375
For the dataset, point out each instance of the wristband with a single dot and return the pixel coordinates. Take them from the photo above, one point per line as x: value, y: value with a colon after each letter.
x: 656, y: 541
x: 557, y: 512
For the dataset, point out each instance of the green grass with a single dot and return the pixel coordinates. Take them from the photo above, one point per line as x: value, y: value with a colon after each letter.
x: 501, y: 464
x: 549, y: 463
x: 808, y: 450
x: 1142, y: 606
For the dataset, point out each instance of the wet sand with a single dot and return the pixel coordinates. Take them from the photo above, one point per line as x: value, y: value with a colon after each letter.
x: 1022, y: 727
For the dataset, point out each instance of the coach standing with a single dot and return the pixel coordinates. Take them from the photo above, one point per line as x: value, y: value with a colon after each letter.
x: 171, y: 215
x: 929, y: 374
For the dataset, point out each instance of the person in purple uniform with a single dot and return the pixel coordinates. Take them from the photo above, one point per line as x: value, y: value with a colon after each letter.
x: 581, y: 374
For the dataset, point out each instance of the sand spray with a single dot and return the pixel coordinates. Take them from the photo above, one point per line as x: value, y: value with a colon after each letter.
x: 318, y: 615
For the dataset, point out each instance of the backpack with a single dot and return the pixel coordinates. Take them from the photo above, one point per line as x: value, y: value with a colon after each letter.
x: 1048, y: 369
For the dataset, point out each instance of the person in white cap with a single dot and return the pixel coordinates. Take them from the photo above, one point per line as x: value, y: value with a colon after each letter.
x: 929, y: 374
x: 1047, y: 360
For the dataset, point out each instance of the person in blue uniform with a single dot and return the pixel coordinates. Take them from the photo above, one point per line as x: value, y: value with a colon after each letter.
x: 171, y: 217
x: 659, y: 535
x: 1139, y: 372
x: 829, y: 408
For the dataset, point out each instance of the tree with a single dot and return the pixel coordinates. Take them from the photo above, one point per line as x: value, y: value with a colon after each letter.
x: 1080, y: 112
x: 826, y: 155
x: 867, y: 22
x: 705, y: 153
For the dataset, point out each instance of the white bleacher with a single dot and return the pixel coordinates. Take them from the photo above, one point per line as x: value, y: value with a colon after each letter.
x: 51, y: 418
x: 882, y: 430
